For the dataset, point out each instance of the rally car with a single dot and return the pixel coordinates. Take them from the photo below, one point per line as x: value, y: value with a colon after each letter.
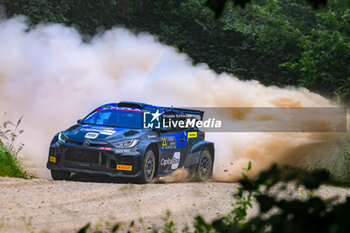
x: 134, y: 140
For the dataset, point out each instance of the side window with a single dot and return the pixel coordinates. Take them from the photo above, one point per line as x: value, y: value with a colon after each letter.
x: 193, y: 119
x: 168, y: 120
x: 98, y: 118
x: 183, y: 120
x: 177, y: 122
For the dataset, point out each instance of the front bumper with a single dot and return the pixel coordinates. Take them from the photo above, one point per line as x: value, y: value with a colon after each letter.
x: 93, y: 160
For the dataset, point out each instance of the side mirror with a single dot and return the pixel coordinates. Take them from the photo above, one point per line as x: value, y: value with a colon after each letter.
x: 79, y: 121
x: 156, y: 131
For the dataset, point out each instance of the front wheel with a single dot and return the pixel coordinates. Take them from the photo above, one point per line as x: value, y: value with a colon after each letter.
x: 60, y: 175
x: 148, y: 167
x: 204, y: 167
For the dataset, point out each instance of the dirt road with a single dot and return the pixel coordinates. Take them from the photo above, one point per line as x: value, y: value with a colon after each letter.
x: 38, y: 205
x: 54, y: 206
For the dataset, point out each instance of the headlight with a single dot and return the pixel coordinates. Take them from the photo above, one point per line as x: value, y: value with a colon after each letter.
x: 62, y: 137
x: 126, y: 143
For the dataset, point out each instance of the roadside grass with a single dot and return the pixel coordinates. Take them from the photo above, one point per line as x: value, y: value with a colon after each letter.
x: 10, y: 165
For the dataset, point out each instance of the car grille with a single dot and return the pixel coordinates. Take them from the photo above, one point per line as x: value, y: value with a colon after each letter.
x: 86, y: 156
x: 91, y: 144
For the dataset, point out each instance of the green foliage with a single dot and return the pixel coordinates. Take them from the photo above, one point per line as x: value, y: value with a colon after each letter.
x: 301, y: 46
x: 201, y: 226
x: 84, y: 228
x: 219, y: 5
x: 325, y: 53
x: 347, y: 159
x: 88, y: 228
x: 279, y: 211
x: 9, y: 132
x: 243, y: 201
x: 9, y: 163
x: 278, y: 214
x: 169, y: 226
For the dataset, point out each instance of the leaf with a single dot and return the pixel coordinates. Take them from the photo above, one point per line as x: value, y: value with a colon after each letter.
x: 245, y: 177
x: 84, y: 228
x: 19, y: 121
x: 265, y: 203
x: 249, y: 166
x: 7, y: 131
x: 6, y: 123
x: 115, y: 228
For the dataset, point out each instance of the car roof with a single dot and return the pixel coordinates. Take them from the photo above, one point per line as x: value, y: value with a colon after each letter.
x: 136, y: 106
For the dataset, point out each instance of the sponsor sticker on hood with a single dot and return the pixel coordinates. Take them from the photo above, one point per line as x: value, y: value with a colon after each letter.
x: 91, y: 135
x: 107, y: 132
x: 100, y: 130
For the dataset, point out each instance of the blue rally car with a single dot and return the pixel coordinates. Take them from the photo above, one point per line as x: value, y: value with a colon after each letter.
x: 134, y: 140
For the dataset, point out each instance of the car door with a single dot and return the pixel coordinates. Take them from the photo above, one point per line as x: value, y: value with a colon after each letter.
x: 173, y: 148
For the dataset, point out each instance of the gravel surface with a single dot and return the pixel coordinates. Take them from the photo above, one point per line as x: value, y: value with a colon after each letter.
x: 38, y: 205
x: 64, y: 206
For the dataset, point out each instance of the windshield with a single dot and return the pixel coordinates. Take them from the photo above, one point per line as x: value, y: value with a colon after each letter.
x: 116, y: 118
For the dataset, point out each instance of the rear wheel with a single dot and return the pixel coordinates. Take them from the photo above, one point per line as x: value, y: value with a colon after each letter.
x: 204, y: 167
x: 148, y: 167
x: 60, y: 175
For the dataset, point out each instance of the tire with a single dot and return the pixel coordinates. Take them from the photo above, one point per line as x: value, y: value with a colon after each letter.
x: 148, y: 167
x: 204, y: 167
x: 60, y: 175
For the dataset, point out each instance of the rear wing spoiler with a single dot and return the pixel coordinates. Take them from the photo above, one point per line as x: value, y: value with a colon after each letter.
x: 191, y: 112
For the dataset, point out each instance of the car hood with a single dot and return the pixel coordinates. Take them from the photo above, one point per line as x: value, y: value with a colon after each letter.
x: 80, y: 133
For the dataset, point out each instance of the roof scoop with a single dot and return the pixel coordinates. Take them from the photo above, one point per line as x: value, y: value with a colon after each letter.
x: 132, y: 105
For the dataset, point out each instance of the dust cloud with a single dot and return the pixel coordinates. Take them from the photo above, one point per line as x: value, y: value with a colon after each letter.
x: 52, y: 78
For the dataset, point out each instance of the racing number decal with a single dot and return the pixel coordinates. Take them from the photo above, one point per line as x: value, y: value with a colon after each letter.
x: 164, y: 142
x: 168, y: 142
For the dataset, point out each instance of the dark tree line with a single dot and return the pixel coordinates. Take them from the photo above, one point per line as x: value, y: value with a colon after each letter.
x: 277, y: 42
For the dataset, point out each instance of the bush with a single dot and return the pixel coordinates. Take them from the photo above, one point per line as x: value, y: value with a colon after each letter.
x: 277, y: 213
x: 10, y: 166
x: 282, y: 215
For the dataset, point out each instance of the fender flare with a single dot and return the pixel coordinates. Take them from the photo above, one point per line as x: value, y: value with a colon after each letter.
x: 195, y: 151
x: 145, y: 145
